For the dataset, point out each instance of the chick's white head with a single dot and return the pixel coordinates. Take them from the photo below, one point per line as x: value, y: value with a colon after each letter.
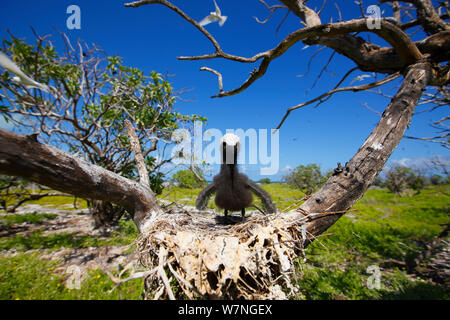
x: 230, y: 142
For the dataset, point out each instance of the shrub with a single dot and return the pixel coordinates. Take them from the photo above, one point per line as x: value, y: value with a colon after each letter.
x: 187, y: 179
x: 307, y: 178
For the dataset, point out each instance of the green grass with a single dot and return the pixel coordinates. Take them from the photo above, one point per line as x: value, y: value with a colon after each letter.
x: 384, y: 226
x: 283, y: 195
x: 59, y: 201
x: 27, y: 277
x: 52, y: 201
x: 37, y: 240
x: 34, y: 218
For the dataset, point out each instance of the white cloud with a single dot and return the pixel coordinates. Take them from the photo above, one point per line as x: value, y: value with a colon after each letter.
x: 419, y: 163
x: 286, y: 169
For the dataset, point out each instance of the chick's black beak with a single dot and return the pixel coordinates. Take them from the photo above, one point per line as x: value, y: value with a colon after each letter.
x: 231, y: 164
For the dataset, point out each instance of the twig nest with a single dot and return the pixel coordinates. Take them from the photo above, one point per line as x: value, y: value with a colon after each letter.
x: 253, y: 259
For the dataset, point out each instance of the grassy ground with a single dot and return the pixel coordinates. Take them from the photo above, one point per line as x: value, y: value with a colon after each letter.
x: 55, y: 202
x: 384, y: 226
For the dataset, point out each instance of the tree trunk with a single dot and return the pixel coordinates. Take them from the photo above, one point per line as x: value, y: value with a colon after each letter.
x: 27, y: 158
x: 105, y: 214
x: 343, y: 189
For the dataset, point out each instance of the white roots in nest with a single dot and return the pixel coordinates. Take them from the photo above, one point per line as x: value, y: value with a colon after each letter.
x: 193, y: 255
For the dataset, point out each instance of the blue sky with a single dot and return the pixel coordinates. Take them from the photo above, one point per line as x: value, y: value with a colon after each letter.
x: 151, y: 37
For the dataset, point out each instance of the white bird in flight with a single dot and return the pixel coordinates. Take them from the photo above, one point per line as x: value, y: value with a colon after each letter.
x: 213, y: 17
x: 360, y: 78
x: 20, y: 77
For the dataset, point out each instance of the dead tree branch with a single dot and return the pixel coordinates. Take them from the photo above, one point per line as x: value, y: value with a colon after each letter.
x: 62, y: 171
x: 325, y: 96
x: 136, y: 147
x: 218, y: 74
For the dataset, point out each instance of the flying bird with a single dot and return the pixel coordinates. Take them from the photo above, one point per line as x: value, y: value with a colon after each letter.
x: 360, y: 78
x: 233, y: 189
x: 20, y: 77
x: 213, y: 17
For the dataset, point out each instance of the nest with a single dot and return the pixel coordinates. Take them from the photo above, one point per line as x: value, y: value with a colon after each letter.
x: 192, y: 254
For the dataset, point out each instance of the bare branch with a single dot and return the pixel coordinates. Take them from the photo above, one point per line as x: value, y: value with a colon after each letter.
x: 427, y: 16
x: 272, y: 10
x: 309, y: 17
x: 162, y: 274
x: 365, y: 105
x: 403, y: 45
x: 328, y: 94
x: 341, y: 191
x: 136, y: 147
x: 219, y: 52
x: 218, y: 74
x: 443, y: 140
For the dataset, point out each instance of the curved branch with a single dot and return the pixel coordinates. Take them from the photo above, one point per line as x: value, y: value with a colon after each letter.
x: 335, y: 35
x: 331, y: 92
x: 218, y: 74
x: 402, y: 44
x: 427, y: 16
x: 219, y: 52
x: 136, y: 147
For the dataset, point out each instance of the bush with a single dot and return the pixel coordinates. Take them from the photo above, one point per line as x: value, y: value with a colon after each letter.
x: 187, y: 179
x: 398, y: 179
x: 307, y: 178
x: 265, y: 181
x: 378, y: 182
x: 436, y: 180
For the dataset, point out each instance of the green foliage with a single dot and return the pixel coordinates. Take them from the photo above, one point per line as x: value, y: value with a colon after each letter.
x: 378, y: 182
x: 38, y: 240
x: 384, y: 226
x: 125, y: 235
x: 437, y: 179
x: 187, y: 179
x: 265, y: 181
x: 398, y: 179
x: 128, y: 229
x: 58, y: 201
x: 307, y: 178
x: 90, y: 116
x: 156, y: 182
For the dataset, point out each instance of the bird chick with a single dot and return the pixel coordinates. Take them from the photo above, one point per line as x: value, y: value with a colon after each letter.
x: 234, y: 191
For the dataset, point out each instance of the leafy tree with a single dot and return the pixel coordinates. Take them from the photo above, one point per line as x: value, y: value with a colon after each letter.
x: 398, y: 179
x: 378, y: 182
x: 436, y: 179
x: 265, y: 181
x: 417, y: 182
x: 95, y: 94
x: 188, y: 179
x: 307, y: 178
